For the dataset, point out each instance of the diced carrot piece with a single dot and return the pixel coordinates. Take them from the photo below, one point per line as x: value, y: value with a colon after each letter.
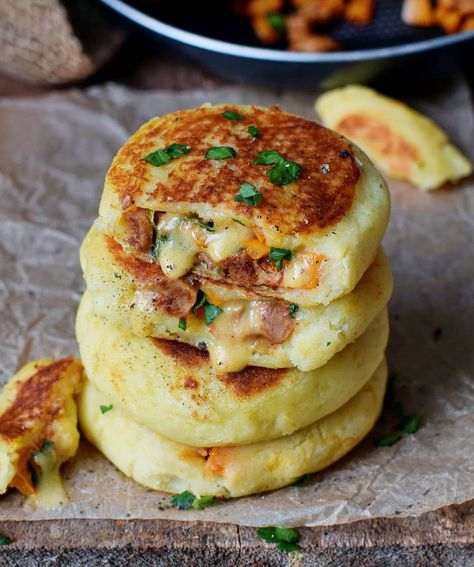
x: 264, y: 30
x: 22, y: 479
x: 255, y: 248
x: 360, y: 11
x: 213, y: 297
x: 468, y: 24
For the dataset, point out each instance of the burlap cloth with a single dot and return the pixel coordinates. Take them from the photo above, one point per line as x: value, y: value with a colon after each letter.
x: 48, y: 42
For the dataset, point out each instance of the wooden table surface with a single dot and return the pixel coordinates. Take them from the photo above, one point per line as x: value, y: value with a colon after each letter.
x: 441, y: 538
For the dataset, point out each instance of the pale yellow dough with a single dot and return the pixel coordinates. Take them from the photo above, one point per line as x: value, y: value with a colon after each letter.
x: 320, y: 332
x: 173, y: 390
x: 401, y: 142
x: 161, y: 464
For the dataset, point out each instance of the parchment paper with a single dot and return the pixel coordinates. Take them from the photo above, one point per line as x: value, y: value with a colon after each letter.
x: 54, y: 153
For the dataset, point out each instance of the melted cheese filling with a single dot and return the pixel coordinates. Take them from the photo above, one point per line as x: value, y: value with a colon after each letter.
x: 182, y: 238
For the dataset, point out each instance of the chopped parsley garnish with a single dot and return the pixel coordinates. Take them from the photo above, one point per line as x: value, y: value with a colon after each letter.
x: 5, y: 540
x: 388, y: 440
x: 293, y: 310
x: 238, y: 221
x: 201, y: 300
x: 286, y: 539
x: 160, y: 157
x: 284, y: 172
x: 277, y: 255
x: 302, y: 481
x: 269, y: 158
x: 208, y: 225
x: 211, y: 312
x: 277, y: 22
x: 410, y: 423
x: 187, y: 500
x: 343, y: 154
x: 105, y: 409
x: 248, y: 194
x: 253, y: 131
x: 232, y: 115
x: 182, y: 324
x: 328, y: 343
x: 183, y: 501
x: 117, y: 275
x: 160, y: 239
x: 221, y: 152
x: 177, y: 150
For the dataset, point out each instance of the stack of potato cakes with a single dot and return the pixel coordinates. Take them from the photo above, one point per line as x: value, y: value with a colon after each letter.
x: 234, y: 324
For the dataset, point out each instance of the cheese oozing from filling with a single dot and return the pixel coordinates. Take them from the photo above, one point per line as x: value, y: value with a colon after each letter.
x: 179, y: 240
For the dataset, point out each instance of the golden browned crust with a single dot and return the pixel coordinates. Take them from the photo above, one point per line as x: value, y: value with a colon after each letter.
x: 252, y: 380
x: 33, y: 401
x: 174, y: 297
x: 321, y: 196
x: 246, y: 383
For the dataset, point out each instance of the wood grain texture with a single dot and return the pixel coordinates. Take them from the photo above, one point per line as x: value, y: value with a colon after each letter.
x: 444, y: 537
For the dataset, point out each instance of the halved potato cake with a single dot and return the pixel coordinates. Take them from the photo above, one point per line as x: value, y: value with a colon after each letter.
x: 253, y: 197
x: 173, y: 389
x: 161, y: 464
x: 402, y: 142
x: 38, y: 428
x: 250, y: 328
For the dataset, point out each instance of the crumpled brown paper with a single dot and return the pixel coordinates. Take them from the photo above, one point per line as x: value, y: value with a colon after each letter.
x: 54, y: 153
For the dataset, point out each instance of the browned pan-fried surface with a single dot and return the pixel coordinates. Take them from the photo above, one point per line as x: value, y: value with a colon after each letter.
x: 321, y: 196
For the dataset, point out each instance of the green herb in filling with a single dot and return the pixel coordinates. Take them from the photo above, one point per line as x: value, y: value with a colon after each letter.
x: 278, y: 255
x: 105, y: 409
x: 211, y: 312
x: 238, y: 221
x: 293, y: 310
x: 182, y: 324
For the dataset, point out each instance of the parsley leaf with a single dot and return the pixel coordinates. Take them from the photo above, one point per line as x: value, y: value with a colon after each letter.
x: 182, y: 324
x: 253, y: 131
x: 105, y: 409
x: 388, y: 440
x: 200, y: 502
x: 232, y: 115
x: 248, y: 194
x: 277, y: 255
x: 286, y: 539
x: 187, y: 500
x: 221, y: 152
x: 284, y: 173
x: 201, y: 300
x: 183, y: 501
x: 238, y: 221
x: 302, y: 481
x: 269, y: 158
x: 208, y: 225
x: 5, y: 540
x: 293, y: 310
x: 277, y: 22
x: 177, y: 150
x: 211, y: 312
x: 160, y: 157
x: 410, y: 423
x: 160, y: 239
